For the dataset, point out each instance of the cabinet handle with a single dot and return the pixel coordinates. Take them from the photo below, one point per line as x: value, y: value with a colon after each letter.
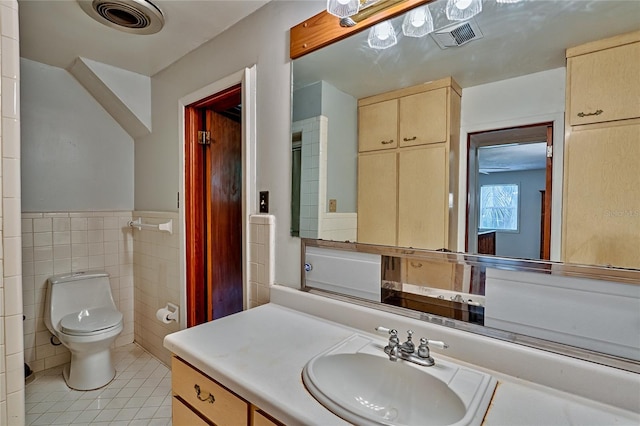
x: 410, y: 139
x: 416, y: 264
x: 387, y: 142
x: 209, y: 398
x: 586, y: 114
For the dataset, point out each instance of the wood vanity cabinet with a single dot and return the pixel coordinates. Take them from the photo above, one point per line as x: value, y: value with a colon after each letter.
x: 601, y: 200
x: 404, y: 188
x: 200, y: 400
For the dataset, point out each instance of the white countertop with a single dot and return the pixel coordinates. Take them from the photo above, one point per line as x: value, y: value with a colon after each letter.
x: 259, y: 354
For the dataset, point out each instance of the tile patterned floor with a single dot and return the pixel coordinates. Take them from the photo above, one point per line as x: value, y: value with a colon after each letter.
x: 140, y: 394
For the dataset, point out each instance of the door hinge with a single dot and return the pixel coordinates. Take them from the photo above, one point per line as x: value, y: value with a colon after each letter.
x: 204, y: 137
x: 549, y: 151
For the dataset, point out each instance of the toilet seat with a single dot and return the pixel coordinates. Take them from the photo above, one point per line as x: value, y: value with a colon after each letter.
x: 90, y: 321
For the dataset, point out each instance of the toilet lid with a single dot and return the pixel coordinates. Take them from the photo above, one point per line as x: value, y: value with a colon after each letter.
x: 90, y: 320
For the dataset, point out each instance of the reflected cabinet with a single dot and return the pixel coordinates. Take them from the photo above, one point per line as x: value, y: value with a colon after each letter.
x: 407, y: 166
x: 602, y: 183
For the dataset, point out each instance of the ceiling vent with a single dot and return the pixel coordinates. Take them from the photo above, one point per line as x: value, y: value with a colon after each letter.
x: 131, y: 16
x: 457, y: 34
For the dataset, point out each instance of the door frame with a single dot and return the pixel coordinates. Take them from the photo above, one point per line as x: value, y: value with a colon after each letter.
x: 247, y: 79
x: 472, y: 207
x: 557, y: 118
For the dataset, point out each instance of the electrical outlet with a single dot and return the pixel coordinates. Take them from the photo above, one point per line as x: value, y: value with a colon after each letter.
x: 333, y: 205
x: 264, y: 201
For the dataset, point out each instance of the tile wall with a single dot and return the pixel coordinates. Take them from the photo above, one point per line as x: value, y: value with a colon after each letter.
x: 156, y: 258
x: 11, y: 342
x: 261, y: 258
x: 315, y: 219
x: 62, y: 242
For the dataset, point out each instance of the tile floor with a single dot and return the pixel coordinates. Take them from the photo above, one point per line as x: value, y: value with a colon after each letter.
x: 140, y: 394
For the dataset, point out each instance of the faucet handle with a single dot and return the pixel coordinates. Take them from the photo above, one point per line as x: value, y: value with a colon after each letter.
x: 393, y: 338
x: 438, y: 344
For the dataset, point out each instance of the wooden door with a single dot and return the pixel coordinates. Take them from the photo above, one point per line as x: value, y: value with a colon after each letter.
x: 224, y: 215
x: 423, y: 198
x: 213, y: 208
x: 423, y: 118
x: 377, y: 198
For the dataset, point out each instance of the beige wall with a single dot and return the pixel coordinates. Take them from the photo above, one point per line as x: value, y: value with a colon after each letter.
x: 261, y: 39
x: 62, y: 242
x: 11, y: 342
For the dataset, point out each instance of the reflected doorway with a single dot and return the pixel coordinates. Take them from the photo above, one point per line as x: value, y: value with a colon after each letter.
x: 509, y: 192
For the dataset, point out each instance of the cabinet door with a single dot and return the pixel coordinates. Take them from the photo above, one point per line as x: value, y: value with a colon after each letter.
x: 378, y: 126
x: 604, y: 85
x: 377, y: 198
x: 423, y: 198
x: 602, y: 197
x: 423, y: 118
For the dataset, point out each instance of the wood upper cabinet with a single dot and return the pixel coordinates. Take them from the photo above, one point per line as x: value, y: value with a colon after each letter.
x: 404, y: 190
x: 601, y: 197
x: 378, y: 126
x: 603, y: 80
x: 423, y: 118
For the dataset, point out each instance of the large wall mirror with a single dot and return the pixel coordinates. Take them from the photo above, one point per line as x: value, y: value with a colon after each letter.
x: 509, y: 76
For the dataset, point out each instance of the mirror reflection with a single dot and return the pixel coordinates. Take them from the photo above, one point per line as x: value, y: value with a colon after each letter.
x: 500, y: 173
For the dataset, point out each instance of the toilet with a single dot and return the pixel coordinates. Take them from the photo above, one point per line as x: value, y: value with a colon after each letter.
x: 81, y: 313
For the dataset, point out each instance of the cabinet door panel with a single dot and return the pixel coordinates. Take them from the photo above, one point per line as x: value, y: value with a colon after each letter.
x: 423, y: 198
x: 377, y: 197
x: 604, y: 85
x: 423, y: 118
x: 378, y: 126
x: 602, y: 197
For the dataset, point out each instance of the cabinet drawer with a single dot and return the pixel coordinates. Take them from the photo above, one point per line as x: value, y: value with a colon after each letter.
x: 260, y: 418
x: 224, y: 408
x: 183, y: 416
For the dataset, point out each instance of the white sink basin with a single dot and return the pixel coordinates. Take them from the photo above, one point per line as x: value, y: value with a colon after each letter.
x: 356, y: 381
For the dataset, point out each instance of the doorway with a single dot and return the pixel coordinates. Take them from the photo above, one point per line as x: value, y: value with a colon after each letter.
x: 509, y: 191
x: 213, y: 206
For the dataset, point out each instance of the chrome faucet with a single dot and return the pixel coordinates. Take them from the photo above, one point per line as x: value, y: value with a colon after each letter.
x: 407, y: 350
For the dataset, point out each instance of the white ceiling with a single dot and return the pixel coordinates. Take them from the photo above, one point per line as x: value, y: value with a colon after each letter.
x: 519, y: 39
x: 55, y: 32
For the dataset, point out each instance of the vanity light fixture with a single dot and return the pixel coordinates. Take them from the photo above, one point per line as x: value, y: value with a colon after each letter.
x: 382, y: 36
x: 418, y: 22
x: 461, y: 10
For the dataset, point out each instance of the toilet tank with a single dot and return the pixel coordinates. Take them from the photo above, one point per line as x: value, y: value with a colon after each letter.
x: 69, y: 293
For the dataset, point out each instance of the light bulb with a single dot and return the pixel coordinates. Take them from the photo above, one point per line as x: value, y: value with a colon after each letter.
x: 463, y: 4
x: 382, y: 36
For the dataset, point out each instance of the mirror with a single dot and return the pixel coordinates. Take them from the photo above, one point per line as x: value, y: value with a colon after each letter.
x: 521, y: 43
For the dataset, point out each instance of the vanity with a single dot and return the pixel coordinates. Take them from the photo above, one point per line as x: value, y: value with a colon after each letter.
x: 252, y: 364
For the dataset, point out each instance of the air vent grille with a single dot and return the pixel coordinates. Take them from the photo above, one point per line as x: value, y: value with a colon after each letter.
x: 457, y: 34
x: 131, y: 16
x: 463, y: 34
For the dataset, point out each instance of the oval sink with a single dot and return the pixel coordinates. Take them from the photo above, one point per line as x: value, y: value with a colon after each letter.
x: 365, y: 388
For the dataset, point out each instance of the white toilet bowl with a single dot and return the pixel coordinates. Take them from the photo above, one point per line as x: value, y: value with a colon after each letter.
x: 81, y: 313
